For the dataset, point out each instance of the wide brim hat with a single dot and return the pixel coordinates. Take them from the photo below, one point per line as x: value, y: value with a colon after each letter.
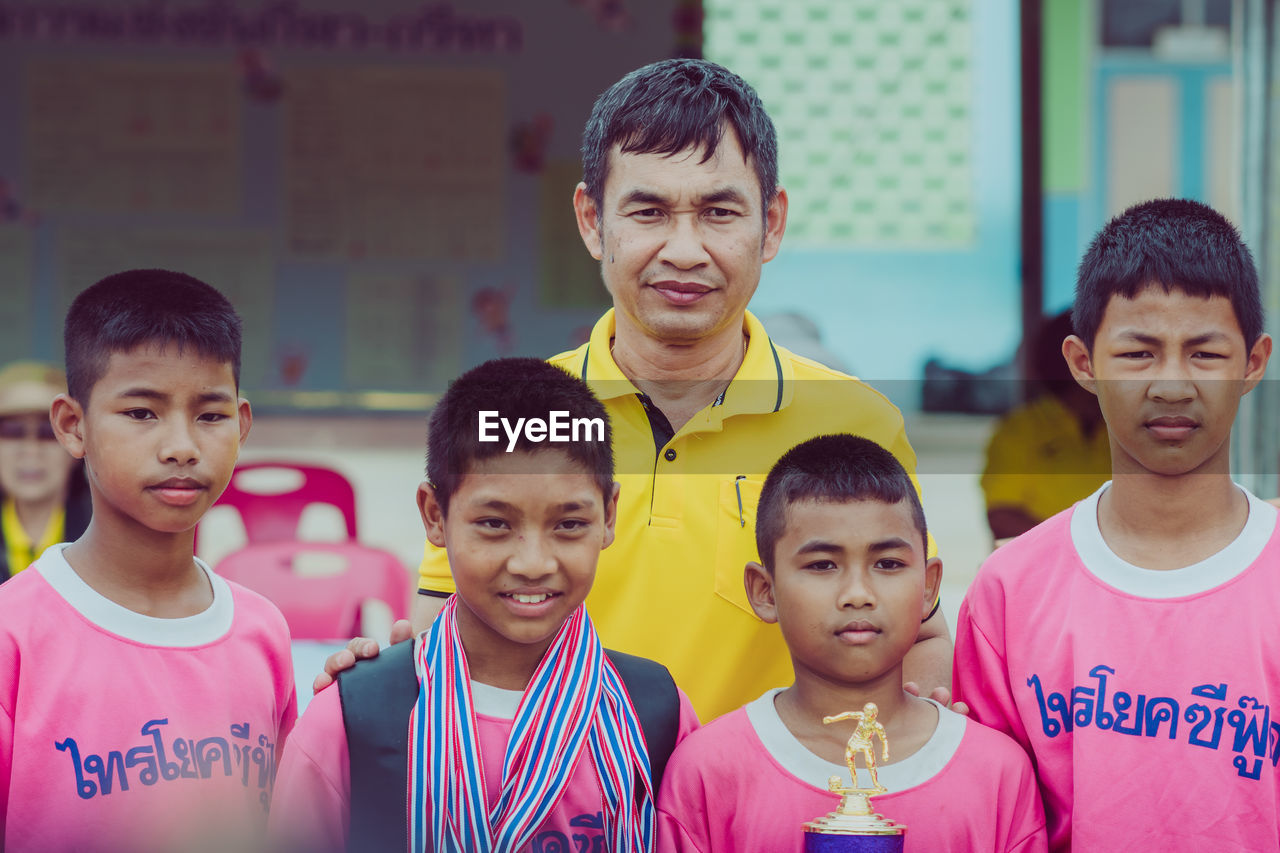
x: 28, y: 387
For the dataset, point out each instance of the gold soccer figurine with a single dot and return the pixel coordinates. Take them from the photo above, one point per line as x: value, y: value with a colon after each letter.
x: 860, y: 742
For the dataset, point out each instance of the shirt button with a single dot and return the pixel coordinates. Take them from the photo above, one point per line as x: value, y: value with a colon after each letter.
x: 670, y: 455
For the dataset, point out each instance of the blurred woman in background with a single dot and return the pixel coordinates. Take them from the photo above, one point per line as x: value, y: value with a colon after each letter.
x: 44, y: 498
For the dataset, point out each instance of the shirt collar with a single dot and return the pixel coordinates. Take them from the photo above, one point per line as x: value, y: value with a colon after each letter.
x: 764, y: 382
x: 16, y: 535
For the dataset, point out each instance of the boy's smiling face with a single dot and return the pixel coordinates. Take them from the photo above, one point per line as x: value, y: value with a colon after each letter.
x: 160, y: 435
x: 849, y: 588
x: 1169, y: 369
x: 523, y: 533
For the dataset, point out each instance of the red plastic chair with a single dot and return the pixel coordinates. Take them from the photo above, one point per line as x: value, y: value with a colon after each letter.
x: 274, y: 516
x: 321, y: 606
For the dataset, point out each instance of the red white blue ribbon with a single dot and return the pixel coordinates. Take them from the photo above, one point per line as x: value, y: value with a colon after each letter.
x: 574, y: 701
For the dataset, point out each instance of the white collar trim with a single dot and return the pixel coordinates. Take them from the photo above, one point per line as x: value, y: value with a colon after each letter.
x: 184, y: 632
x: 495, y: 701
x: 796, y: 759
x: 1213, y: 571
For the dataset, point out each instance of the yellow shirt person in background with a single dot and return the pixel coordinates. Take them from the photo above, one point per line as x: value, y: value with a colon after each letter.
x: 1049, y: 452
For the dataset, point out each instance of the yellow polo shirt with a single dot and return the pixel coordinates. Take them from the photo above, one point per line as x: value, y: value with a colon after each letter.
x: 1040, y: 460
x: 670, y: 586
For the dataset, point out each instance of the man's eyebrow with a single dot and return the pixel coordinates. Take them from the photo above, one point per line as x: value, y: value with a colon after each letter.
x: 643, y: 197
x: 725, y: 194
x: 729, y: 194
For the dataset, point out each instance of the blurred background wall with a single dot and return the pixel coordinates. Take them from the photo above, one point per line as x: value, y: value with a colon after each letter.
x: 383, y: 188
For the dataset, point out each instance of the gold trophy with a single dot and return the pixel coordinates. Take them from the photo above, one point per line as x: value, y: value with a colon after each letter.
x: 854, y: 827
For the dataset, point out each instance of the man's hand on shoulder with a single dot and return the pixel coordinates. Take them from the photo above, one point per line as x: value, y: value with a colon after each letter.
x: 941, y: 695
x: 928, y: 663
x: 361, y: 648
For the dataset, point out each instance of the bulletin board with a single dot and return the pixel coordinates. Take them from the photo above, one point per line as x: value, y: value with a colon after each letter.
x: 381, y: 188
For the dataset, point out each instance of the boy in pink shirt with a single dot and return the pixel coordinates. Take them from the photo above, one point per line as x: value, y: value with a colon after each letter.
x: 845, y: 576
x: 517, y: 728
x: 143, y: 699
x: 1129, y: 643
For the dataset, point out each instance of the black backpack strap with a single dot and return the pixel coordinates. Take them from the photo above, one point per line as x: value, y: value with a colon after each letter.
x: 657, y: 703
x: 377, y: 696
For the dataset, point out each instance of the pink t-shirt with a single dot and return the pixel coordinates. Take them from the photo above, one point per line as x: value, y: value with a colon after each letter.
x: 744, y: 782
x: 120, y: 731
x: 312, y: 807
x: 1144, y: 697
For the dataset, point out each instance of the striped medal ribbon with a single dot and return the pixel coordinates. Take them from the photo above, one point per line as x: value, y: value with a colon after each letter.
x: 574, y: 699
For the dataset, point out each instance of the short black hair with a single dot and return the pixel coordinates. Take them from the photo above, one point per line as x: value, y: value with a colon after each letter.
x: 136, y: 307
x: 836, y: 469
x: 1177, y: 244
x: 676, y: 104
x: 514, y: 388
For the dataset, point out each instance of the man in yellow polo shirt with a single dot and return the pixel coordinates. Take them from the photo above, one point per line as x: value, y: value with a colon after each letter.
x: 680, y: 204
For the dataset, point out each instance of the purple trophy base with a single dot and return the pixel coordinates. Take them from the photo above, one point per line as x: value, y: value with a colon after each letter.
x: 818, y: 843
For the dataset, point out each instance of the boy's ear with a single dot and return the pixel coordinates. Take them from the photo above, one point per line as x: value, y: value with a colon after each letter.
x: 588, y: 216
x: 432, y: 514
x: 932, y: 583
x: 611, y: 515
x: 246, y: 419
x: 759, y: 584
x: 67, y: 418
x: 1256, y: 366
x: 1080, y: 362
